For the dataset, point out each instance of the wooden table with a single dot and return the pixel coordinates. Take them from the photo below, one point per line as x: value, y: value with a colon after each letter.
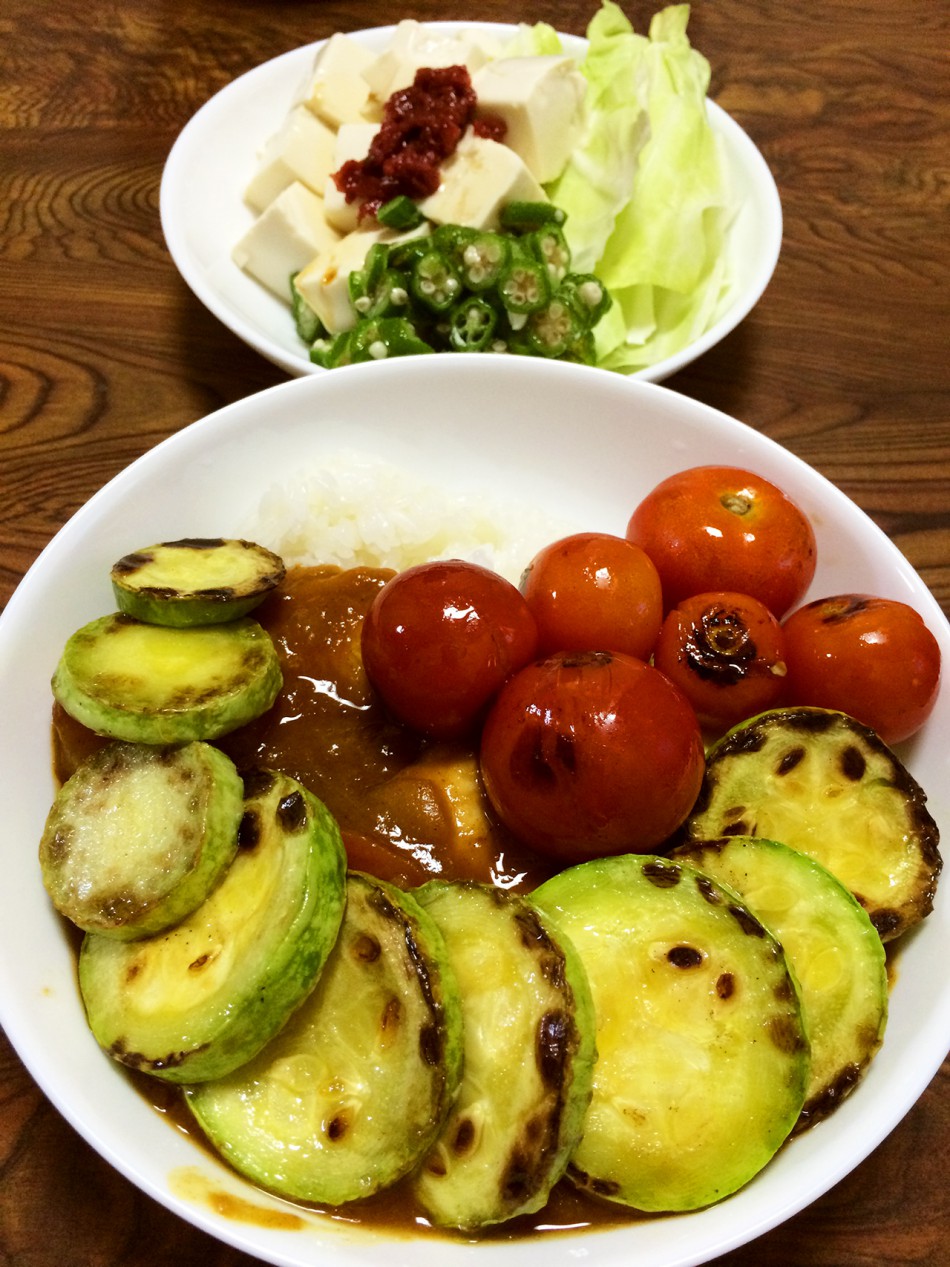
x: 103, y: 352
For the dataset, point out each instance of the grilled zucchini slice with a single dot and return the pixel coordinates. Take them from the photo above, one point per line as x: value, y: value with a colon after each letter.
x: 529, y: 1054
x: 822, y: 783
x: 195, y: 581
x: 350, y: 1095
x: 202, y: 998
x: 139, y: 835
x: 149, y: 684
x: 832, y: 947
x: 702, y: 1054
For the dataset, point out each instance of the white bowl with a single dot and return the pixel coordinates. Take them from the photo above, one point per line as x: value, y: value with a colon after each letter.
x: 203, y: 212
x: 556, y: 436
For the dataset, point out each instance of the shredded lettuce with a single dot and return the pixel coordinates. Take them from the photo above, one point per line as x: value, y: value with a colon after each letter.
x: 646, y: 192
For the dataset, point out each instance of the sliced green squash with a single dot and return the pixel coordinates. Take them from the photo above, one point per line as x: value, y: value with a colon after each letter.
x: 702, y: 1054
x: 195, y: 581
x: 833, y: 949
x: 139, y: 835
x: 529, y: 1055
x: 150, y: 684
x: 822, y: 783
x: 352, y: 1092
x: 202, y: 998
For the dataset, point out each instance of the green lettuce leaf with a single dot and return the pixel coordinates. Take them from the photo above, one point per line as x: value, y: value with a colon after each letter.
x: 646, y: 193
x: 537, y: 40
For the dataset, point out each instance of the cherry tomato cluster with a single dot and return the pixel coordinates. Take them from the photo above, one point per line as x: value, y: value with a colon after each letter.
x: 588, y: 688
x: 736, y: 556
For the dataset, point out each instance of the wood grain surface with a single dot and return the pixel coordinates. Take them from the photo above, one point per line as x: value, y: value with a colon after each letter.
x: 104, y: 351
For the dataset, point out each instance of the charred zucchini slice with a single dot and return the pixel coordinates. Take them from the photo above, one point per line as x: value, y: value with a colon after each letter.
x: 149, y: 684
x: 202, y: 998
x: 350, y: 1095
x: 831, y: 945
x: 702, y: 1055
x: 822, y: 783
x: 139, y: 835
x: 529, y: 1054
x: 195, y: 581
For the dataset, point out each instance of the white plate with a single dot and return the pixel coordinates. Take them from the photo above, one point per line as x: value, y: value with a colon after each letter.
x: 426, y: 415
x: 203, y: 211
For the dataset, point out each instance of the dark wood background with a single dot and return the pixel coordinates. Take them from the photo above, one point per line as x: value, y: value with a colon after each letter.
x: 104, y: 352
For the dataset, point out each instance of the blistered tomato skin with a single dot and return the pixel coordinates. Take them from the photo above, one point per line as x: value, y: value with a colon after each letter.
x: 872, y: 658
x: 439, y: 640
x: 593, y: 591
x: 725, y: 528
x: 585, y: 754
x: 726, y: 653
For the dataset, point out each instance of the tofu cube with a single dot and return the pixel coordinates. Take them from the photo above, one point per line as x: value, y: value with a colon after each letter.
x: 301, y: 151
x: 324, y: 283
x: 285, y: 237
x: 413, y: 47
x: 337, y: 92
x: 477, y: 181
x: 352, y: 142
x: 541, y: 100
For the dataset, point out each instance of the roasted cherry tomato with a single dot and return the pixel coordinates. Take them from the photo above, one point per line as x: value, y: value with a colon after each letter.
x: 723, y: 528
x: 726, y: 653
x: 589, y: 753
x: 872, y: 658
x: 440, y: 639
x: 594, y: 592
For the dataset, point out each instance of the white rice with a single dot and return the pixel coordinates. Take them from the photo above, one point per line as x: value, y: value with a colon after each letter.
x: 355, y: 510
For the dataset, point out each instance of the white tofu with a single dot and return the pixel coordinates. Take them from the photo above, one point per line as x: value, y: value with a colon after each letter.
x: 337, y: 92
x: 541, y: 100
x: 324, y: 283
x: 477, y: 180
x: 413, y: 47
x: 285, y: 237
x: 302, y: 150
x: 352, y: 142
